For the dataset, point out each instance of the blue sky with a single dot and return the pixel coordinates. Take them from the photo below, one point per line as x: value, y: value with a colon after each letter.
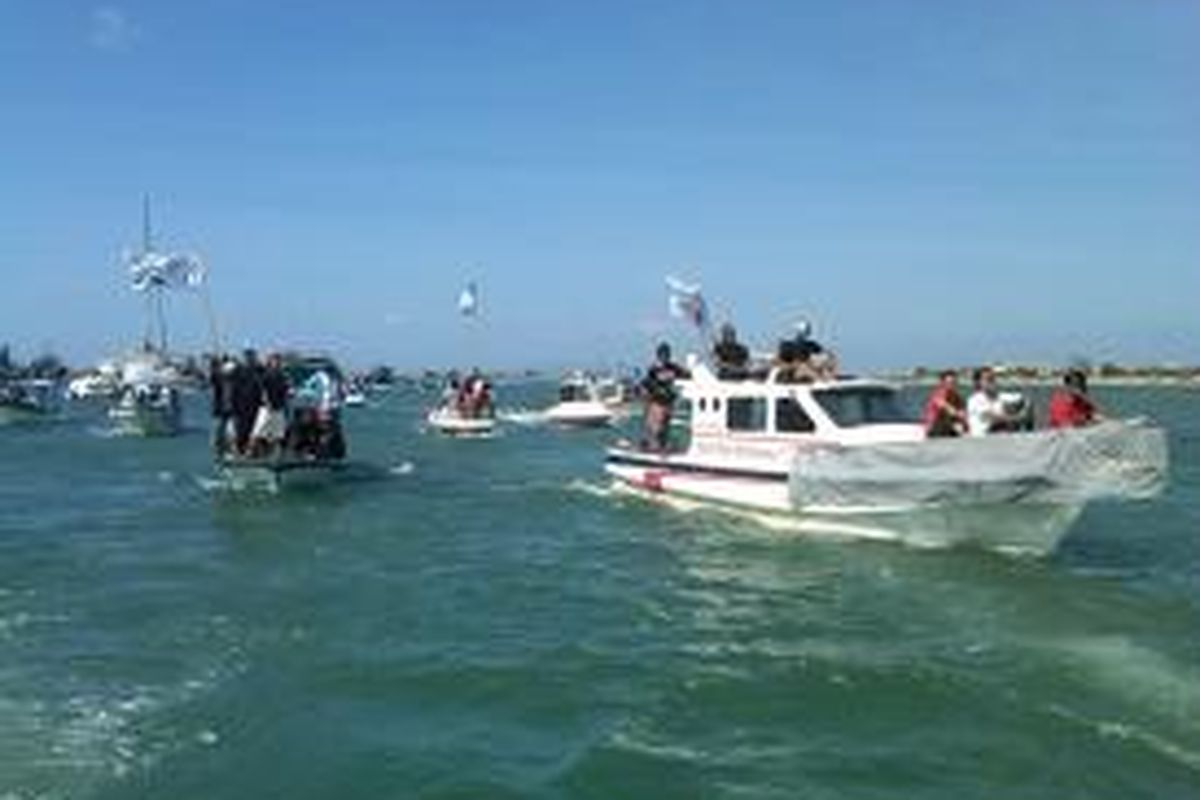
x: 930, y: 182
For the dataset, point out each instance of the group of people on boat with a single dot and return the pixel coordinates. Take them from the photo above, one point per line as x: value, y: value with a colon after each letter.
x: 470, y: 397
x: 989, y: 410
x: 799, y: 358
x: 259, y: 413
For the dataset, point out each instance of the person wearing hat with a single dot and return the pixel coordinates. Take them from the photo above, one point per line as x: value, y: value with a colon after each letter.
x: 802, y: 359
x: 659, y: 389
x: 1070, y: 406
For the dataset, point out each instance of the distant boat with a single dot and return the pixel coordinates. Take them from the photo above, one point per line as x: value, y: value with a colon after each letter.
x: 147, y: 380
x: 148, y: 409
x: 579, y: 403
x: 29, y: 400
x: 315, y: 448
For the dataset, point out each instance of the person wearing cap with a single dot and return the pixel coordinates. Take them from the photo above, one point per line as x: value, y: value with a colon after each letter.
x: 660, y: 392
x: 802, y: 359
x: 1070, y: 405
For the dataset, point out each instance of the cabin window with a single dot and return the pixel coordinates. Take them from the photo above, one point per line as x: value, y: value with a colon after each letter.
x: 746, y: 414
x: 716, y: 404
x: 702, y: 405
x: 861, y: 405
x: 790, y: 417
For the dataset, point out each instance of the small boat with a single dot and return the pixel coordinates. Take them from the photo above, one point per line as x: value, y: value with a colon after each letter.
x: 840, y: 456
x: 466, y: 408
x: 29, y: 400
x: 314, y: 449
x: 355, y: 398
x: 579, y: 403
x: 451, y: 422
x: 148, y: 409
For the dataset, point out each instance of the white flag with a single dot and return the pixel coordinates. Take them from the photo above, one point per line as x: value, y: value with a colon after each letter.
x: 685, y: 301
x: 165, y: 270
x: 468, y: 301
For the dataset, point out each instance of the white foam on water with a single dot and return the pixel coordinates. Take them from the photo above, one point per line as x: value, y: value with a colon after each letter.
x: 403, y: 468
x: 1110, y: 729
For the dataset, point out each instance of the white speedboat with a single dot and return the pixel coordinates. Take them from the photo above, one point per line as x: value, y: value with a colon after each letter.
x: 841, y: 457
x: 449, y: 421
x: 147, y: 409
x: 29, y: 400
x: 579, y: 404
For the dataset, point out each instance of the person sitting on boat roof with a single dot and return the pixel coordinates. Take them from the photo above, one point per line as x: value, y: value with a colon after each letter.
x: 659, y: 388
x: 270, y: 424
x: 1070, y: 405
x: 991, y: 411
x: 802, y: 359
x: 731, y: 356
x: 944, y: 413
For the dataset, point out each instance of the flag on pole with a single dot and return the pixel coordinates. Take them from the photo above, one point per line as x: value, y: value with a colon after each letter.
x: 684, y: 301
x: 468, y: 301
x: 166, y: 271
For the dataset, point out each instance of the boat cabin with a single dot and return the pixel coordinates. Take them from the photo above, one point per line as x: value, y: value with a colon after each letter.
x: 767, y: 406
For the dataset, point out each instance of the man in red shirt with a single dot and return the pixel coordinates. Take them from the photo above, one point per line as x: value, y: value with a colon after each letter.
x: 945, y: 413
x: 1070, y: 406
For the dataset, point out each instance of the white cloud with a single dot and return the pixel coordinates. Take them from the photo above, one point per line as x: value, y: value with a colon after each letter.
x: 111, y: 29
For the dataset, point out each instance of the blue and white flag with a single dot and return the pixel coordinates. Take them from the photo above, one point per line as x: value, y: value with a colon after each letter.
x: 151, y: 270
x: 468, y: 301
x: 684, y: 301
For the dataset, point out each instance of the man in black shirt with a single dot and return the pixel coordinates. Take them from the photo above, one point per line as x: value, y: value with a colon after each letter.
x: 730, y: 355
x: 245, y: 398
x: 270, y: 425
x: 660, y: 392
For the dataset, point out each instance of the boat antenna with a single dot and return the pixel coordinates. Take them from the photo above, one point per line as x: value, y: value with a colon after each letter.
x: 146, y: 240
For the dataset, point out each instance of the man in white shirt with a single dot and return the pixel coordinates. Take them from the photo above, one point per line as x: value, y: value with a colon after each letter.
x: 985, y: 409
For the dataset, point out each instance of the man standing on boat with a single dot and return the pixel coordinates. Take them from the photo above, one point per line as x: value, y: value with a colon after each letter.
x: 660, y: 392
x: 270, y: 425
x: 246, y: 397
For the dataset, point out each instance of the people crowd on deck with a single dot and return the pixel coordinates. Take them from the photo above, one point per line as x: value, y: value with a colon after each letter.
x: 801, y: 359
x: 990, y: 410
x: 258, y: 413
x: 470, y: 397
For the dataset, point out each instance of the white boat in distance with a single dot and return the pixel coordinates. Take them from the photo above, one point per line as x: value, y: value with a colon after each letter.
x: 579, y: 403
x: 840, y: 457
x: 29, y: 400
x: 148, y: 409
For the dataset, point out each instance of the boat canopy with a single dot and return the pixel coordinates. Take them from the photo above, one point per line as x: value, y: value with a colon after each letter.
x: 1111, y: 459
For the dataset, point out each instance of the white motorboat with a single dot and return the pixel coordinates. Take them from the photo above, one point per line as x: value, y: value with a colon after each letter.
x: 841, y: 457
x: 147, y: 409
x: 579, y: 403
x: 450, y: 421
x: 29, y: 400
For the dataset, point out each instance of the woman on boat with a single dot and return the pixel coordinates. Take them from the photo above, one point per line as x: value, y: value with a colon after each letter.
x: 1070, y: 406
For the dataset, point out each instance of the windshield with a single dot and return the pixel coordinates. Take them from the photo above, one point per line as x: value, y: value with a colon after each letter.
x: 864, y: 405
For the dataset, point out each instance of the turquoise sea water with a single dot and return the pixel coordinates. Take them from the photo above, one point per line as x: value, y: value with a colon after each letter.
x: 482, y: 619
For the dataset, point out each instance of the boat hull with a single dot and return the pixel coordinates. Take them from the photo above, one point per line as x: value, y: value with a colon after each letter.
x: 454, y: 425
x: 1034, y: 528
x: 580, y: 415
x: 273, y: 475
